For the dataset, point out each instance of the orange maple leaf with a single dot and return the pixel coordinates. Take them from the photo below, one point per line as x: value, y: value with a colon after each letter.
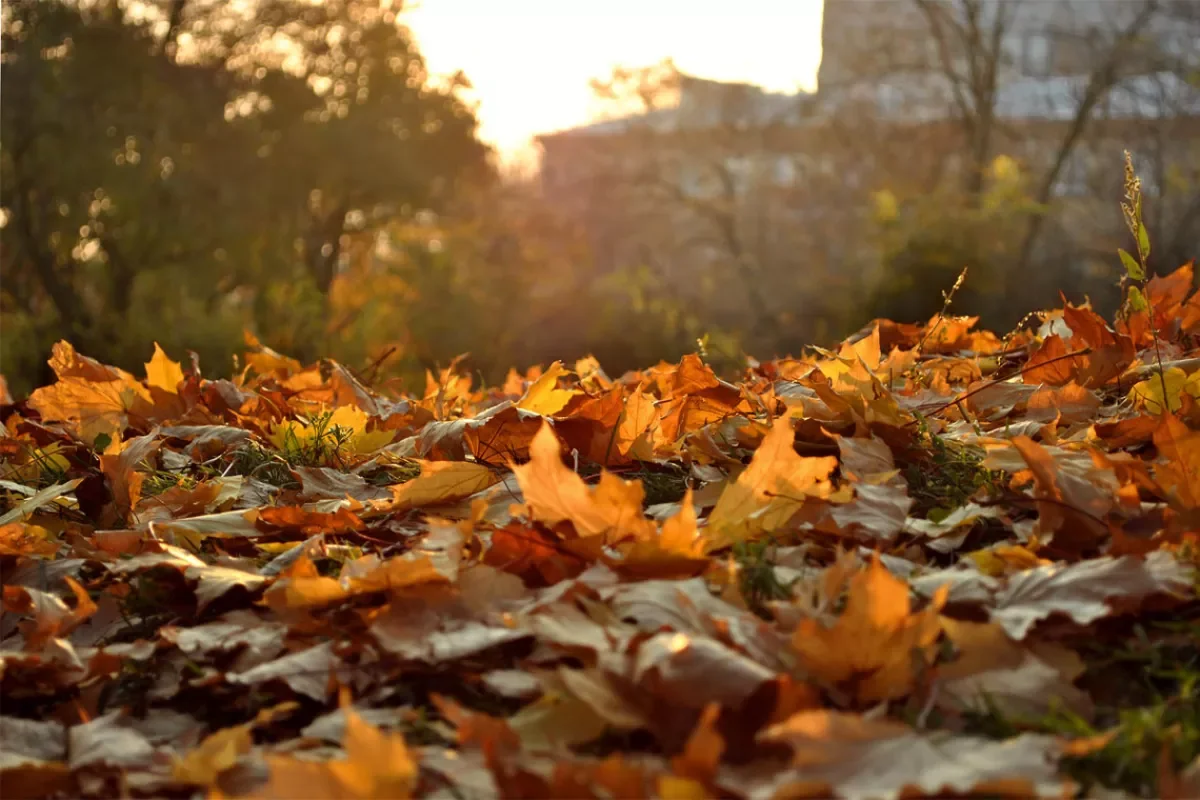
x: 870, y: 650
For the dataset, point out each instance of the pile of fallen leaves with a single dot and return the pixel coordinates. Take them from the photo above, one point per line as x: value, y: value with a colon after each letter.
x: 933, y: 562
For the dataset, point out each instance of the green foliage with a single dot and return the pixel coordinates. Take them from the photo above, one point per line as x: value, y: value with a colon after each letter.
x: 256, y: 461
x: 1154, y: 683
x: 166, y: 175
x: 925, y: 242
x: 757, y: 579
x: 944, y: 474
x: 1136, y: 269
x: 321, y: 443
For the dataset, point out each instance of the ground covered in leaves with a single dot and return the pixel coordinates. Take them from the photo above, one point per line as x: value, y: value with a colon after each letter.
x: 933, y: 562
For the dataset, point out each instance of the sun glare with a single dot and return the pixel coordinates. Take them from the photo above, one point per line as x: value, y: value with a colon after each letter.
x: 530, y: 61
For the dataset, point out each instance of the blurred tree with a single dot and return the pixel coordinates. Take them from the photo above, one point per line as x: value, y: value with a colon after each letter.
x: 1064, y: 85
x: 166, y: 163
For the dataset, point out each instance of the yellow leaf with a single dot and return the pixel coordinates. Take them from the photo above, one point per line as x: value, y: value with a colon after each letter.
x: 871, y: 649
x: 556, y: 494
x: 671, y: 787
x: 770, y: 490
x: 442, y: 482
x: 635, y: 433
x: 1161, y: 391
x: 217, y: 753
x: 543, y: 397
x: 378, y: 766
x: 162, y: 372
x: 679, y: 533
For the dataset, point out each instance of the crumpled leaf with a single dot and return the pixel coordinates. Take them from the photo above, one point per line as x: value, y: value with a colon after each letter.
x: 1086, y: 591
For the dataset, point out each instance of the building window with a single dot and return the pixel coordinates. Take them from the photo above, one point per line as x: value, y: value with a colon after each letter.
x: 1037, y: 55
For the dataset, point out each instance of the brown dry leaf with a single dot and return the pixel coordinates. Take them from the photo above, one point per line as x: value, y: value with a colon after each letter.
x: 991, y: 668
x: 688, y: 670
x: 1075, y: 492
x: 325, y: 483
x: 1088, y: 590
x: 1069, y: 403
x: 555, y: 494
x: 701, y: 756
x: 870, y: 651
x: 877, y: 512
x: 51, y: 616
x: 768, y: 492
x: 1050, y: 364
x: 120, y: 466
x: 1179, y: 469
x: 110, y: 741
x: 635, y: 434
x: 856, y: 758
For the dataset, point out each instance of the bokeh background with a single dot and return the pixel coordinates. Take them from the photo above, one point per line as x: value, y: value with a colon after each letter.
x: 396, y: 185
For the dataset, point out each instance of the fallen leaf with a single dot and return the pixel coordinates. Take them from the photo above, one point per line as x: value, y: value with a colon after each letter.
x: 870, y: 650
x: 1086, y: 591
x: 543, y: 397
x: 853, y: 757
x: 770, y: 490
x: 555, y: 494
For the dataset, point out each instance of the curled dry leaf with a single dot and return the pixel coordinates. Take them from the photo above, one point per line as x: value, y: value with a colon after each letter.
x: 1089, y: 590
x: 852, y: 757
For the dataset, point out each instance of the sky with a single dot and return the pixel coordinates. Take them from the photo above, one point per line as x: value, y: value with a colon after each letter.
x: 530, y: 61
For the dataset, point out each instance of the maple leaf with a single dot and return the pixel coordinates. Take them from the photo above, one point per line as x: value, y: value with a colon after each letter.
x: 555, y: 494
x: 97, y: 400
x: 1086, y: 591
x: 635, y: 436
x: 377, y: 766
x: 120, y: 463
x: 543, y: 397
x: 21, y: 539
x: 51, y: 616
x: 769, y: 491
x: 441, y: 482
x: 1162, y: 391
x: 163, y: 373
x: 1179, y: 472
x: 870, y: 650
x: 218, y: 752
x: 1075, y: 490
x: 990, y: 668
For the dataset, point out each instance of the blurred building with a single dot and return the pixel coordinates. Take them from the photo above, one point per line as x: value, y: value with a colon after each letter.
x: 910, y: 93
